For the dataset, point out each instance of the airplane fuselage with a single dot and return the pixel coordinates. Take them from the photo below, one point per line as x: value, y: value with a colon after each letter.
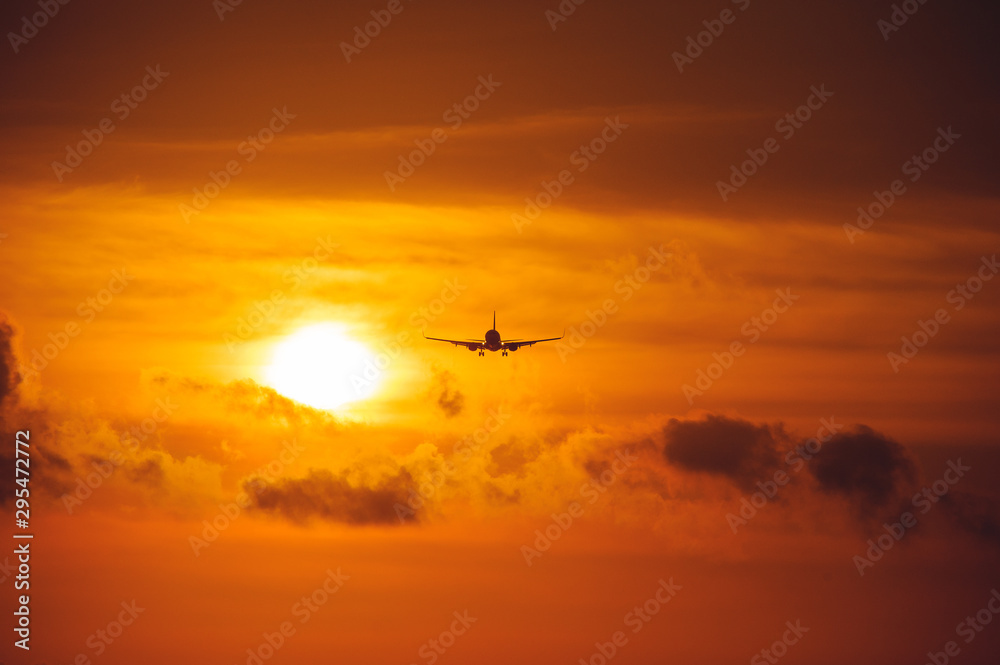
x: 492, y: 342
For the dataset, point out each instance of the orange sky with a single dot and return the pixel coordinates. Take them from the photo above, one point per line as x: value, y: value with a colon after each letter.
x: 157, y: 249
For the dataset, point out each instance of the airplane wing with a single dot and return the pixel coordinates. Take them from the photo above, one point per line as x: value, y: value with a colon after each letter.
x: 515, y: 344
x: 470, y: 344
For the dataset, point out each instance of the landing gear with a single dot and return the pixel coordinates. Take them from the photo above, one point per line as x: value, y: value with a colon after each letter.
x: 505, y: 353
x: 481, y: 353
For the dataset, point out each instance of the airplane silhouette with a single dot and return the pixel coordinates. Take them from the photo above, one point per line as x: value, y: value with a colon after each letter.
x: 493, y: 341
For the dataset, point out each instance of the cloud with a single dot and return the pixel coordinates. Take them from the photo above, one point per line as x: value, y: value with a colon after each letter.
x: 864, y: 466
x: 736, y: 449
x: 10, y: 378
x: 242, y: 396
x: 450, y: 399
x: 322, y: 494
x: 510, y: 458
x: 974, y: 514
x: 180, y: 469
x: 148, y: 472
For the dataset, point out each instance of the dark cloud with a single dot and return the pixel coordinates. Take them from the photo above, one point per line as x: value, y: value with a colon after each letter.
x: 57, y: 477
x: 324, y: 495
x: 148, y: 472
x: 10, y: 378
x: 13, y: 418
x: 939, y: 68
x: 722, y: 446
x: 449, y: 398
x: 864, y: 466
x: 497, y: 496
x: 509, y: 457
x: 974, y: 514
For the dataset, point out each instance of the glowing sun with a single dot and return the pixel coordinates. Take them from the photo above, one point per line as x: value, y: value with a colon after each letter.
x: 322, y: 366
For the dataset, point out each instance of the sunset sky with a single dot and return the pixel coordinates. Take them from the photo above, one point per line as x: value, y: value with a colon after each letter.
x: 768, y: 232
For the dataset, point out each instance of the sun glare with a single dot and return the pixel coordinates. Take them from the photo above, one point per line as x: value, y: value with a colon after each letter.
x: 321, y: 366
